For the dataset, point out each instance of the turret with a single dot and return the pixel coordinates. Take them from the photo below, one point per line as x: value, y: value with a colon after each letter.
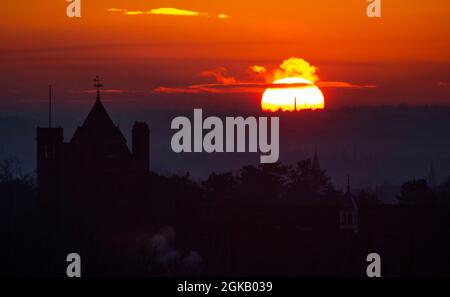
x: 49, y: 157
x: 348, y: 213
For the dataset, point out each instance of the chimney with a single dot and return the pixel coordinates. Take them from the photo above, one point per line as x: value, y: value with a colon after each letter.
x: 141, y: 146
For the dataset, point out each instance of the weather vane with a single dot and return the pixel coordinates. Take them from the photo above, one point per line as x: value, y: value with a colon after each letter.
x: 98, y: 85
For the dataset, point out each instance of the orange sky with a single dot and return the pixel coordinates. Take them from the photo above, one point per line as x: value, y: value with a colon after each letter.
x: 411, y: 43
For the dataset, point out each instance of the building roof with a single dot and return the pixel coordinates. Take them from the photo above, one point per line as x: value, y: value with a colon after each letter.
x: 99, y: 124
x: 98, y: 139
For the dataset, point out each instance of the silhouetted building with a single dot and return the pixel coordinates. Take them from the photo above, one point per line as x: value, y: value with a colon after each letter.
x: 90, y: 184
x: 99, y: 199
x: 348, y: 212
x: 49, y: 161
x: 97, y: 147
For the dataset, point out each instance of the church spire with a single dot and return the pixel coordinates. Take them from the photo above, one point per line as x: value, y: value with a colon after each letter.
x: 349, y: 201
x: 315, y: 164
x: 349, y: 211
x: 98, y: 85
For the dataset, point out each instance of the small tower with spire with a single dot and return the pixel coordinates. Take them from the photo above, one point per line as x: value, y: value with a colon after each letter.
x: 315, y: 163
x: 348, y: 213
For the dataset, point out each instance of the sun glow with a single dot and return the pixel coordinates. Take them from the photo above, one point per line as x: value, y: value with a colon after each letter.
x: 302, y: 95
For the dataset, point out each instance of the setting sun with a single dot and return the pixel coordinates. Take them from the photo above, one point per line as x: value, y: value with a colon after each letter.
x: 302, y: 95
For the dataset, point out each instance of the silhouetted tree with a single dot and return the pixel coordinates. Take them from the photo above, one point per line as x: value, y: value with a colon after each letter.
x: 185, y: 197
x: 16, y: 189
x: 263, y: 182
x: 366, y: 199
x: 221, y: 185
x: 416, y: 192
x: 443, y: 193
x: 17, y: 214
x: 306, y: 183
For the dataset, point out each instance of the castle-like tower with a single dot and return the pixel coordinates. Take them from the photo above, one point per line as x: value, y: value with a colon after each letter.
x: 88, y: 185
x: 92, y: 164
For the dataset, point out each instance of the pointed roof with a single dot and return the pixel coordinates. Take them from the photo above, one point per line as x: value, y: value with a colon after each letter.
x: 98, y: 117
x: 348, y: 203
x: 97, y: 126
